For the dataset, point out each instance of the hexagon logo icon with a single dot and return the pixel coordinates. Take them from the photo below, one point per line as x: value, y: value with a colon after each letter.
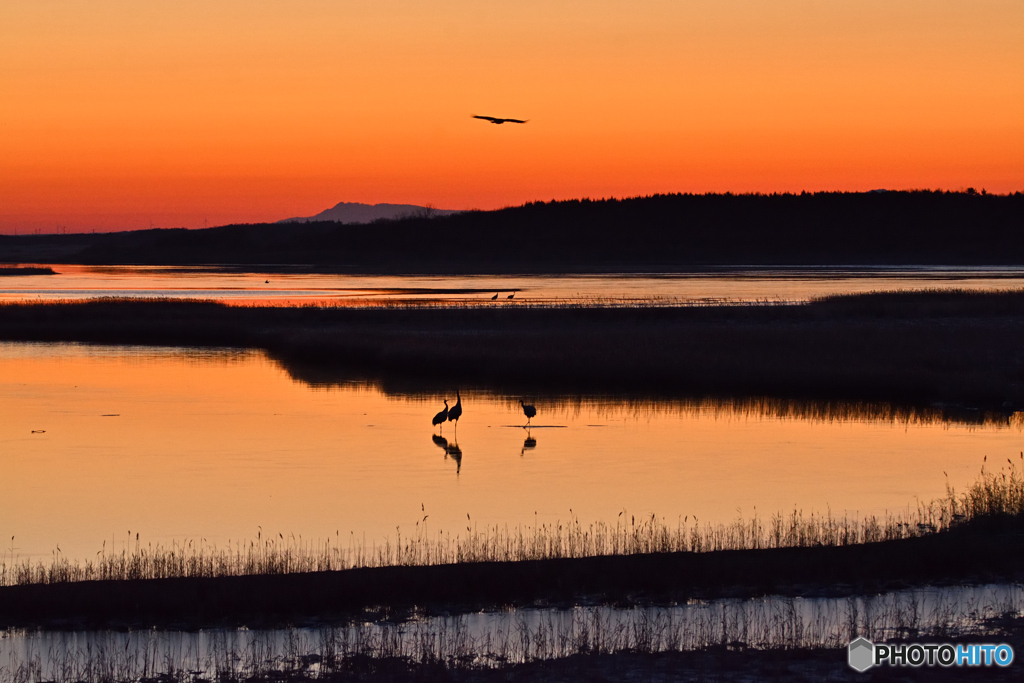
x: 861, y: 655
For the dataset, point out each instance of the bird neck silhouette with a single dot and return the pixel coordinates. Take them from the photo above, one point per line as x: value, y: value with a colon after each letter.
x: 441, y: 417
x: 455, y: 412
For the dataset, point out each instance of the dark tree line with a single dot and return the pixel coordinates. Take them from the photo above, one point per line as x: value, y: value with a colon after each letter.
x: 661, y: 231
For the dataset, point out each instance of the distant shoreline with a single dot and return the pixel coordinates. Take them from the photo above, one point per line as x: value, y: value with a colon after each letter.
x: 640, y: 234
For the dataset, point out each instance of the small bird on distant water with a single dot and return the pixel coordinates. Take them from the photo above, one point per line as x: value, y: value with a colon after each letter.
x: 529, y: 411
x: 456, y: 410
x: 441, y: 417
x: 510, y: 295
x: 499, y: 121
x: 495, y: 296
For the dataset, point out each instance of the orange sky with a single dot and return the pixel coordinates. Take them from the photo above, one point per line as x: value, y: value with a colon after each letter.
x: 116, y: 113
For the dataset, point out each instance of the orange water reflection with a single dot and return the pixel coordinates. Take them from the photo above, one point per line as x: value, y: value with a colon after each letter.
x: 216, y: 445
x: 707, y: 286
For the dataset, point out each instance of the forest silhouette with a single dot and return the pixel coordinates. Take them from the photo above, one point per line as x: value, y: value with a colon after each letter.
x: 661, y: 232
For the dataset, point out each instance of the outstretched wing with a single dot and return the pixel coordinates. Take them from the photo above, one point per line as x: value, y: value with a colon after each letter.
x: 495, y: 119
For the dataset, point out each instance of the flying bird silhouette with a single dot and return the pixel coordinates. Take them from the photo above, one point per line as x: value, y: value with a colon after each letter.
x: 499, y: 121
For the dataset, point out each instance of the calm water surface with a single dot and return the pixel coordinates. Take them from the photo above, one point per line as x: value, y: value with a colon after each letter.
x: 99, y: 443
x: 711, y: 285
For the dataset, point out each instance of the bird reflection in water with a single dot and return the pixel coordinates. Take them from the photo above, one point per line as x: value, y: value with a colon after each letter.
x: 529, y: 444
x: 450, y: 449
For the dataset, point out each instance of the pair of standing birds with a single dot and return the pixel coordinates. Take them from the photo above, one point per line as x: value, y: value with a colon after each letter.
x: 455, y: 412
x: 449, y: 414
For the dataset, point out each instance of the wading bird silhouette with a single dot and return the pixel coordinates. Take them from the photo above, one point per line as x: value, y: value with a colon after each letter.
x: 455, y: 412
x: 495, y: 296
x: 499, y: 121
x: 441, y: 417
x: 511, y: 295
x: 529, y: 411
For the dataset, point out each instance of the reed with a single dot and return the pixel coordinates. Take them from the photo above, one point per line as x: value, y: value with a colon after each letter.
x: 993, y: 496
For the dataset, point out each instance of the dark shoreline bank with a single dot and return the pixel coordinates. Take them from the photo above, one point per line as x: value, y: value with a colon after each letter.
x: 989, y: 550
x: 950, y: 348
x: 17, y: 271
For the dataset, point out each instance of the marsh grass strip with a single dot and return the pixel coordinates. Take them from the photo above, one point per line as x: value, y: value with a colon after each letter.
x: 994, y: 495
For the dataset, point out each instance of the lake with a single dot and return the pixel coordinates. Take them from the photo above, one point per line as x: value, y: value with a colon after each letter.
x: 100, y: 443
x: 291, y: 287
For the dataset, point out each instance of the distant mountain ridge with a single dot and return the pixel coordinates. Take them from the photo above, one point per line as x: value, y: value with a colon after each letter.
x: 354, y: 212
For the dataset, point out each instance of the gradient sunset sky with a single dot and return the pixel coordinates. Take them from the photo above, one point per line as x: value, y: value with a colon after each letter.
x: 118, y: 114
